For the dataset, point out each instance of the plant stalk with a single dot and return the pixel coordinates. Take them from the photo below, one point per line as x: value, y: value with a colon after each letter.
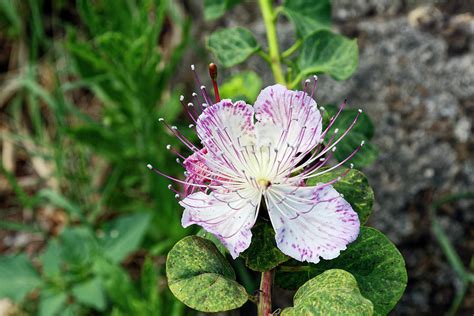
x: 269, y: 20
x: 290, y: 51
x: 265, y: 294
x: 447, y: 247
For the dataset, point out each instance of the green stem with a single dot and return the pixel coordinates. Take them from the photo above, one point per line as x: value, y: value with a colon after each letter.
x: 295, y: 81
x: 290, y: 51
x: 458, y: 299
x: 265, y: 56
x: 446, y: 246
x: 269, y: 19
x: 265, y: 294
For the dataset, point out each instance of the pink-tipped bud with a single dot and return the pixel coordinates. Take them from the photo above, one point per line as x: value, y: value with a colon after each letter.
x: 213, y: 75
x: 213, y: 71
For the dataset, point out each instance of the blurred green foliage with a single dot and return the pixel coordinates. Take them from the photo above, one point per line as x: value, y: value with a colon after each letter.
x: 91, y: 80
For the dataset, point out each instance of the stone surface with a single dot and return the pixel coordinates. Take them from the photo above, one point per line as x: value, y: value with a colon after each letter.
x: 419, y: 91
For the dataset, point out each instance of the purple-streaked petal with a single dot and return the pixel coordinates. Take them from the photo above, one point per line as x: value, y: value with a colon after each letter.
x: 286, y: 117
x: 226, y: 215
x: 311, y: 222
x: 197, y: 172
x: 225, y: 127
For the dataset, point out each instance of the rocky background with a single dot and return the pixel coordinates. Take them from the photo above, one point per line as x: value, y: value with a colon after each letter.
x: 416, y: 81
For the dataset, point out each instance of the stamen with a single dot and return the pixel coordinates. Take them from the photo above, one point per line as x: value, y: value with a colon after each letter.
x: 333, y: 119
x: 180, y: 136
x: 174, y: 179
x: 186, y: 109
x: 314, y: 86
x: 205, y: 96
x: 196, y: 99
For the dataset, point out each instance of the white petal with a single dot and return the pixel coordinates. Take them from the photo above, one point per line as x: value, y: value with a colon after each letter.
x: 226, y: 215
x: 285, y: 117
x: 225, y: 127
x: 311, y: 222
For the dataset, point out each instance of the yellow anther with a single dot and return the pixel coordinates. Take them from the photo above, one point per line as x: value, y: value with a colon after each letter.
x: 264, y: 183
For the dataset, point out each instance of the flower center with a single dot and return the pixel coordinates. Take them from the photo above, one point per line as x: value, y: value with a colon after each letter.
x: 263, y: 183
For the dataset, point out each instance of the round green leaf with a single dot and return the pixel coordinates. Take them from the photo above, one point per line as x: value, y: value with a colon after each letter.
x: 263, y: 254
x: 333, y: 292
x: 200, y: 277
x: 355, y: 188
x: 374, y: 261
x: 329, y: 53
x: 232, y: 46
x: 364, y: 157
x: 207, y: 235
x: 308, y: 16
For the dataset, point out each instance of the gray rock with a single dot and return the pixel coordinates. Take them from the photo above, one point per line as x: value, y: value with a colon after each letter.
x: 409, y: 86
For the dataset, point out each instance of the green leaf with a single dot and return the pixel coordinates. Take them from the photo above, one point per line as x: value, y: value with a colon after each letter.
x: 18, y: 277
x: 308, y: 16
x: 200, y: 277
x: 364, y: 157
x: 10, y: 11
x: 374, y: 261
x: 99, y: 138
x: 90, y: 293
x: 363, y: 130
x: 124, y: 235
x: 333, y: 292
x: 207, y: 235
x: 149, y: 285
x: 263, y: 254
x: 243, y: 86
x: 88, y: 63
x: 78, y: 246
x: 355, y: 188
x: 51, y: 302
x: 214, y: 9
x: 116, y: 283
x: 58, y: 200
x: 232, y: 46
x: 363, y: 125
x: 328, y: 53
x: 50, y: 259
x: 71, y: 310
